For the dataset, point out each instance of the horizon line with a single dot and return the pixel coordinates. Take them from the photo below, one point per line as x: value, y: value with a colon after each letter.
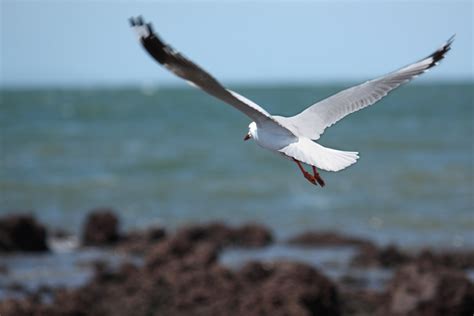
x: 239, y: 83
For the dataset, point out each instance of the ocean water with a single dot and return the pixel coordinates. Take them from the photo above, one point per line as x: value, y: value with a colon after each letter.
x: 176, y: 155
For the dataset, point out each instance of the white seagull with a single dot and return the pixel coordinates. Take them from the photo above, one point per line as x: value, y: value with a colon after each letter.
x: 293, y: 137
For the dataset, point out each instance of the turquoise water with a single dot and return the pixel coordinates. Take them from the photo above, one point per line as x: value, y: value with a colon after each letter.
x: 177, y: 156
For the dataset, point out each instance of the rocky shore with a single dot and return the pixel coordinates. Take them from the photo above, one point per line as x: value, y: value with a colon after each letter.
x: 180, y: 273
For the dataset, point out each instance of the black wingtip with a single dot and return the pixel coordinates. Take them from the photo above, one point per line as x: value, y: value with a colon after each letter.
x: 438, y: 55
x: 451, y: 39
x: 150, y: 28
x: 150, y: 41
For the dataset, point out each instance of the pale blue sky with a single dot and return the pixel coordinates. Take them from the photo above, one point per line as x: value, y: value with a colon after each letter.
x: 90, y: 42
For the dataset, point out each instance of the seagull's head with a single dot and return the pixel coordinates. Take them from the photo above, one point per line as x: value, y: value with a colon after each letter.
x: 252, y: 131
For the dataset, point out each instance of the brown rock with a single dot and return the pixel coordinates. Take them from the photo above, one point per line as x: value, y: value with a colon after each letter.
x: 181, y: 249
x: 249, y: 235
x: 22, y: 233
x: 421, y: 288
x: 140, y: 242
x: 101, y: 228
x: 455, y: 259
x: 18, y: 307
x: 391, y: 256
x: 286, y: 288
x: 361, y: 302
x: 387, y: 257
x: 319, y: 239
x: 254, y: 272
x: 182, y: 277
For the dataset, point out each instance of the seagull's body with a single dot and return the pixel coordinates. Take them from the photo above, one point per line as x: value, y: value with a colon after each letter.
x: 293, y: 137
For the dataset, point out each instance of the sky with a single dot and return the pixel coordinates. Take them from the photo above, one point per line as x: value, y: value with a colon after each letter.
x: 88, y: 43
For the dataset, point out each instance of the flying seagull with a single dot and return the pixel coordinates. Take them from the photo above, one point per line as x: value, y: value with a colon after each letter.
x: 293, y: 137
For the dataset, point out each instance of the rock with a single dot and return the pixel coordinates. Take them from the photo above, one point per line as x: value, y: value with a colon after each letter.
x: 182, y: 276
x: 361, y: 302
x: 249, y: 235
x: 18, y: 307
x: 101, y: 228
x: 254, y: 272
x: 389, y: 256
x: 22, y: 233
x: 285, y: 288
x: 155, y: 233
x: 201, y: 244
x: 140, y: 242
x: 323, y: 239
x: 424, y: 288
x: 455, y: 259
x: 182, y: 250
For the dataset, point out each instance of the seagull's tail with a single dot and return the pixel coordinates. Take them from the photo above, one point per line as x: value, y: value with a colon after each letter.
x: 311, y: 153
x: 336, y: 160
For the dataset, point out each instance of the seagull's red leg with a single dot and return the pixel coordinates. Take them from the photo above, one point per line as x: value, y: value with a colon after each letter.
x: 306, y: 174
x: 318, y: 177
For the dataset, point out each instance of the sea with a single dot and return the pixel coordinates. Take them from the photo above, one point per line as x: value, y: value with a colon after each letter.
x: 174, y: 155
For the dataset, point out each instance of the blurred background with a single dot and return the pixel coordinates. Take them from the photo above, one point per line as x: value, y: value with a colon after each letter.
x: 89, y: 119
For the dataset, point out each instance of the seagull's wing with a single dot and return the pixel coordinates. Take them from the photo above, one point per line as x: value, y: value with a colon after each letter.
x: 315, y: 119
x: 186, y: 69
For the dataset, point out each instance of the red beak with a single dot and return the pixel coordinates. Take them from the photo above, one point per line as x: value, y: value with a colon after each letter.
x: 247, y: 137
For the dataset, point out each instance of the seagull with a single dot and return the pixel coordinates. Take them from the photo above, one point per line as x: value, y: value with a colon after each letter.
x: 292, y: 137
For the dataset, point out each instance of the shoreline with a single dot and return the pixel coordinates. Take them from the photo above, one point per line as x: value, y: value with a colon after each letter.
x: 210, y: 268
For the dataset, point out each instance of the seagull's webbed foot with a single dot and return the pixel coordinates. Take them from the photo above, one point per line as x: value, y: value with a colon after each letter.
x: 317, y: 177
x: 308, y: 175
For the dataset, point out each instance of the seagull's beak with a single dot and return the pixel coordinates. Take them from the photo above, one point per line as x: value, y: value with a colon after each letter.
x: 247, y: 137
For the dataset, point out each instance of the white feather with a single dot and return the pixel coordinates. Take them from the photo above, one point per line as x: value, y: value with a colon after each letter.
x: 311, y: 153
x: 315, y: 119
